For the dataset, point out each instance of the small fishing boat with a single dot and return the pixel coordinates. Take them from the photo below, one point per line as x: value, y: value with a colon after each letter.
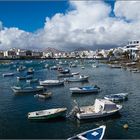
x: 27, y: 89
x: 94, y: 66
x: 75, y: 73
x: 85, y: 89
x: 65, y: 71
x: 32, y: 80
x: 51, y: 83
x: 43, y: 95
x: 81, y: 78
x: 7, y: 74
x: 21, y: 68
x: 30, y: 71
x: 93, y: 134
x: 47, y: 114
x: 116, y: 97
x: 115, y: 66
x: 46, y: 66
x: 101, y: 108
x: 65, y: 75
x: 53, y: 68
x: 73, y: 65
x: 24, y: 77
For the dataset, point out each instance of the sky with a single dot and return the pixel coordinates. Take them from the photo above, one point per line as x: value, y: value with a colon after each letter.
x: 67, y: 25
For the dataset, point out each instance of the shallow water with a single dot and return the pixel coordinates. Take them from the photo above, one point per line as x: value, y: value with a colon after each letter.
x: 14, y: 108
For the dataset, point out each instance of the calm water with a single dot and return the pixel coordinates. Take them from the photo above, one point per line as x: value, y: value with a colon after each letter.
x: 14, y: 108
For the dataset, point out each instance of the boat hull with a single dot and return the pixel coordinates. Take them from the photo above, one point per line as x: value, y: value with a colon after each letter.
x: 81, y: 116
x: 51, y: 116
x: 51, y: 84
x: 27, y: 90
x: 93, y: 134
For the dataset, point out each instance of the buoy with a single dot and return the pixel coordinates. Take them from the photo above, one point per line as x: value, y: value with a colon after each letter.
x: 125, y: 126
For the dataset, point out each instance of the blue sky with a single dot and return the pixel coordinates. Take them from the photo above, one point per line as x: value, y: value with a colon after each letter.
x: 30, y: 16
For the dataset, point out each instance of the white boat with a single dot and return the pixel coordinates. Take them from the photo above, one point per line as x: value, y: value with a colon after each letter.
x: 47, y: 114
x: 101, y: 108
x: 65, y: 75
x: 116, y: 97
x: 73, y: 65
x: 28, y: 89
x: 32, y: 80
x: 21, y: 68
x: 94, y: 66
x: 81, y: 78
x: 85, y: 89
x: 24, y: 77
x: 43, y: 95
x: 53, y: 68
x: 7, y: 74
x: 51, y: 83
x: 93, y: 134
x: 75, y: 73
x: 30, y: 71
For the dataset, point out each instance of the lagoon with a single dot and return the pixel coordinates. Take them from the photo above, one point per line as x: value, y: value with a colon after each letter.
x: 14, y: 108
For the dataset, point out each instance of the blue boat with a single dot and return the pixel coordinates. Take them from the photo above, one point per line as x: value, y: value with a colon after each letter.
x: 93, y: 134
x: 85, y: 89
x: 116, y: 97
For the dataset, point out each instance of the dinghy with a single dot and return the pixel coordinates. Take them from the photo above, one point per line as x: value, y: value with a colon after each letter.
x: 30, y: 71
x: 85, y: 89
x: 47, y: 114
x: 101, y: 108
x: 28, y: 89
x: 116, y: 97
x: 65, y: 71
x: 7, y: 74
x: 93, y: 134
x: 51, y: 83
x: 24, y: 77
x: 21, y: 68
x: 43, y: 95
x: 65, y: 75
x: 32, y: 81
x: 81, y: 78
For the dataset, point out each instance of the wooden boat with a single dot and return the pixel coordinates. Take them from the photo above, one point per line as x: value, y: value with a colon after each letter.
x: 101, y: 108
x: 25, y: 77
x: 28, y: 89
x: 93, y: 134
x: 81, y: 78
x: 47, y: 114
x: 7, y: 74
x: 85, y: 89
x: 116, y: 97
x: 51, y: 83
x: 43, y: 95
x: 32, y: 80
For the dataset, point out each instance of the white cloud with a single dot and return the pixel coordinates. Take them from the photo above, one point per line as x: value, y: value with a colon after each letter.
x: 127, y: 9
x: 87, y: 25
